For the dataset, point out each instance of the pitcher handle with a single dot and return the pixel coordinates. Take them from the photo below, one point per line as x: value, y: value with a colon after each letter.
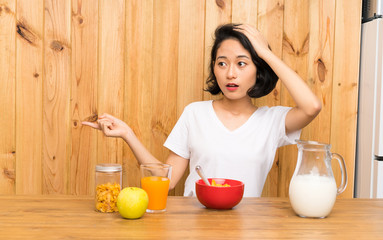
x: 343, y: 170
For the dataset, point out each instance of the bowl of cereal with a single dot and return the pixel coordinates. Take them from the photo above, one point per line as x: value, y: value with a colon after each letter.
x: 222, y: 194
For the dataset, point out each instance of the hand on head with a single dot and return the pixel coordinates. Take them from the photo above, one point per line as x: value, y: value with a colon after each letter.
x: 258, y: 41
x: 109, y: 125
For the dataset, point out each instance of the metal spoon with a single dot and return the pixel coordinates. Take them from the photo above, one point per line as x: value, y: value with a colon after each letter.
x: 200, y: 173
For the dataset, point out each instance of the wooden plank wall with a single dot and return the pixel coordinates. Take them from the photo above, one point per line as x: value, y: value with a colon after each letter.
x: 7, y: 96
x: 29, y: 97
x: 62, y: 62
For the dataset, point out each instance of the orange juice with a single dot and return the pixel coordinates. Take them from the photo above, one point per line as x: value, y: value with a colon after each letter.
x: 157, y: 189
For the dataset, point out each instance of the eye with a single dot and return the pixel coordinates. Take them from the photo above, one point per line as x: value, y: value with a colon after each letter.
x: 221, y: 64
x: 242, y: 64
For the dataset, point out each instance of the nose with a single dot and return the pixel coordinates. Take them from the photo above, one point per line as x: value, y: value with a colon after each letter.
x: 232, y: 72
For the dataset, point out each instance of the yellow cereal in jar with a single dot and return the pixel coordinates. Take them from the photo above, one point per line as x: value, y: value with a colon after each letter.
x: 106, y: 197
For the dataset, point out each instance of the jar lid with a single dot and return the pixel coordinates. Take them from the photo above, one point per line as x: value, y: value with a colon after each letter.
x: 108, y: 167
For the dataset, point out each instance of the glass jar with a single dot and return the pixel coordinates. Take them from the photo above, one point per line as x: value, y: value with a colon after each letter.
x: 108, y: 186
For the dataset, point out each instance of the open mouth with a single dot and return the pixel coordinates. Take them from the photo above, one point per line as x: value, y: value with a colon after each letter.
x: 231, y: 86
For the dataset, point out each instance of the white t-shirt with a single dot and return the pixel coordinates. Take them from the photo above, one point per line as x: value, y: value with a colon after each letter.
x: 245, y: 154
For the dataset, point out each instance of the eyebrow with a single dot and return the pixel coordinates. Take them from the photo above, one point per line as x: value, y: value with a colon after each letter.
x: 239, y: 56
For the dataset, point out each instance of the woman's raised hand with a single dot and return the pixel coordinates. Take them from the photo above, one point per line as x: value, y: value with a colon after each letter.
x: 109, y: 125
x: 258, y: 41
x: 308, y: 105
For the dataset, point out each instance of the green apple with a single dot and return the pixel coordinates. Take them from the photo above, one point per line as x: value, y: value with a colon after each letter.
x: 132, y: 202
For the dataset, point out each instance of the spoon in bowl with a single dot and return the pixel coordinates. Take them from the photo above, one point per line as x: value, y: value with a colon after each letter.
x: 200, y: 173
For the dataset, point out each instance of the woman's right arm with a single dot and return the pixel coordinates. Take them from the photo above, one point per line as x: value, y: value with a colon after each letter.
x: 178, y: 163
x: 114, y: 127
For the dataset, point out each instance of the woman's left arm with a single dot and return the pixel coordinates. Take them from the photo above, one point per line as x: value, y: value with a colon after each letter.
x: 308, y: 105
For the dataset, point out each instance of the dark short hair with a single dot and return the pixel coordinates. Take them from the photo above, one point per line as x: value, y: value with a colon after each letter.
x: 266, y: 79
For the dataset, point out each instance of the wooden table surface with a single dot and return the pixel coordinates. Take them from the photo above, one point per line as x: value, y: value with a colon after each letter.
x: 69, y: 217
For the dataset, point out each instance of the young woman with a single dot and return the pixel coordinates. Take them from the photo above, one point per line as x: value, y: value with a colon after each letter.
x: 230, y: 137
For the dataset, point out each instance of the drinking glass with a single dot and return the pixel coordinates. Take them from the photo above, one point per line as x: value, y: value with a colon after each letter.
x: 155, y: 179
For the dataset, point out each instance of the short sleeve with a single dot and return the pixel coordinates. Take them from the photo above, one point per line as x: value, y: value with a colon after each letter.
x: 177, y: 140
x: 286, y: 139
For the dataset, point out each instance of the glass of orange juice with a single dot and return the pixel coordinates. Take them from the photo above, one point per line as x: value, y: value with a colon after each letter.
x: 155, y: 179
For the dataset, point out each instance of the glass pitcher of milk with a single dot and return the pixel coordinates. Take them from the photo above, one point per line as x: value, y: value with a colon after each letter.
x: 313, y: 188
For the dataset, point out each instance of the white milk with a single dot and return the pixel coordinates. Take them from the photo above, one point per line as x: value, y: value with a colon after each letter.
x: 312, y: 195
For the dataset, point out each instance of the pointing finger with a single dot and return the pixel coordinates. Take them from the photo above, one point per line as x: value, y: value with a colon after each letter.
x: 91, y: 124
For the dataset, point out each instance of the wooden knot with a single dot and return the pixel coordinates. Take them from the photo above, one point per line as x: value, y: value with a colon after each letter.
x: 158, y: 128
x: 7, y: 9
x: 36, y: 75
x: 9, y: 173
x: 280, y: 6
x: 275, y: 93
x: 92, y: 118
x: 321, y: 70
x: 288, y: 45
x: 305, y: 45
x: 220, y: 3
x: 80, y: 20
x: 26, y: 33
x: 56, y: 46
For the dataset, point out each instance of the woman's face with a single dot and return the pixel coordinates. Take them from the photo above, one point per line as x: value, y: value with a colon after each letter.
x: 234, y: 70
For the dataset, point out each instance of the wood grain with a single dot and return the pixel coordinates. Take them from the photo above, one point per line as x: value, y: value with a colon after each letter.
x: 320, y: 66
x: 152, y: 110
x: 111, y: 74
x: 217, y: 13
x: 29, y: 82
x: 56, y: 97
x: 254, y: 218
x: 245, y: 11
x: 164, y: 78
x: 190, y: 61
x: 63, y: 62
x: 345, y: 86
x: 138, y: 81
x: 7, y: 96
x: 84, y: 78
x: 295, y: 55
x: 270, y: 24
